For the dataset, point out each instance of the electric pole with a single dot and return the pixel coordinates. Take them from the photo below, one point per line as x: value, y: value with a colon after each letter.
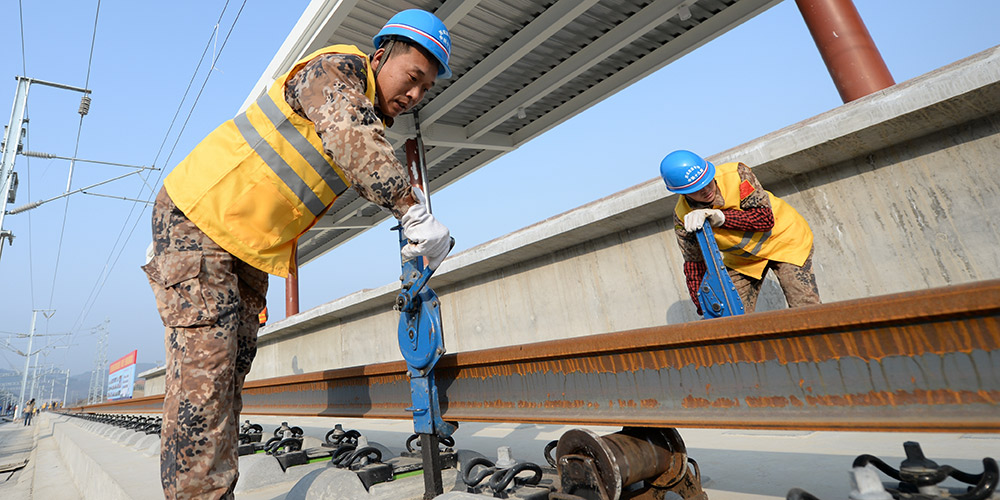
x: 48, y: 313
x: 98, y: 378
x: 66, y: 389
x: 11, y: 145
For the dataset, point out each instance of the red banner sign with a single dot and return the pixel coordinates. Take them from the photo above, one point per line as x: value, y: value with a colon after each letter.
x: 128, y: 359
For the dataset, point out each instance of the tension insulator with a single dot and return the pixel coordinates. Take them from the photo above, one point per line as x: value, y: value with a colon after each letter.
x: 23, y: 208
x: 84, y: 105
x: 38, y: 154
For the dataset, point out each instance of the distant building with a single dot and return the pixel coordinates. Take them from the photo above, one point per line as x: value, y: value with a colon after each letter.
x: 139, y: 388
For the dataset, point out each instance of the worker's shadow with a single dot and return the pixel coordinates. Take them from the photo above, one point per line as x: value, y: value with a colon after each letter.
x: 770, y: 298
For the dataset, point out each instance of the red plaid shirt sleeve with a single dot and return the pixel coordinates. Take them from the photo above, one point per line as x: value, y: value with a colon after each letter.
x: 693, y: 274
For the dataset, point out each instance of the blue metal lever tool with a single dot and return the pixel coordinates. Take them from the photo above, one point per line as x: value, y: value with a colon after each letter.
x: 717, y: 294
x: 421, y: 341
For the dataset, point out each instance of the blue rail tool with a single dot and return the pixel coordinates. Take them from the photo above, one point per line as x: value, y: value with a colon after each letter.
x: 717, y: 294
x: 421, y: 340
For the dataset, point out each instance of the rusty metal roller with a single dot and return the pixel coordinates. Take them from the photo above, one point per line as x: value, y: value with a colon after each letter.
x: 602, y: 467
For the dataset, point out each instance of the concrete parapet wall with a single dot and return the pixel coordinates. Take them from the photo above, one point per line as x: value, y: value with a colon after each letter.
x: 155, y: 381
x: 899, y: 187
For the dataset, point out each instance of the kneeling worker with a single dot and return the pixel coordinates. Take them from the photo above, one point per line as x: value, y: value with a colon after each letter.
x: 755, y: 230
x: 233, y: 210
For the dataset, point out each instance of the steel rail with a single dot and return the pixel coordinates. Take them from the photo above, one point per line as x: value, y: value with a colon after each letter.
x: 915, y: 361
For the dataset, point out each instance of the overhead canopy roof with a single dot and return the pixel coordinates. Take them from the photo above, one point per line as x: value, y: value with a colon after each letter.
x: 520, y: 68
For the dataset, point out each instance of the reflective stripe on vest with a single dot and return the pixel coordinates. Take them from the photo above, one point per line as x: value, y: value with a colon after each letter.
x: 278, y: 165
x: 301, y: 144
x: 740, y: 248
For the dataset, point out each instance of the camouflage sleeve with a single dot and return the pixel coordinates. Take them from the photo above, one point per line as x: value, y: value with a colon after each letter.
x: 687, y: 241
x: 694, y: 272
x: 756, y: 196
x: 330, y: 92
x: 755, y: 212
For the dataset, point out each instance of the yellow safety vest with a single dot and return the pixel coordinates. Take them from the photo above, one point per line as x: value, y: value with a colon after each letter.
x: 262, y: 179
x: 747, y: 252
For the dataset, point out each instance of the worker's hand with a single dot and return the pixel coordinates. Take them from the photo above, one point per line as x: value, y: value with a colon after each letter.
x: 427, y: 236
x: 694, y: 220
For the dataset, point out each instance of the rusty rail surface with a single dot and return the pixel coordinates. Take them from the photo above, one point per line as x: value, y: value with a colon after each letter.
x: 916, y: 361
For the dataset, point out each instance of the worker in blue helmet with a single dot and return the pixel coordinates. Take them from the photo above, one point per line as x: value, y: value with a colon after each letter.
x: 232, y: 211
x: 756, y: 231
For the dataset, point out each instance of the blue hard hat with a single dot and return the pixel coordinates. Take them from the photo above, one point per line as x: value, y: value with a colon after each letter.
x: 685, y: 172
x: 424, y: 29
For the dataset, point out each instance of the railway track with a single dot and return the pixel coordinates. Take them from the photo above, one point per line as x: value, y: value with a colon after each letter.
x: 917, y: 361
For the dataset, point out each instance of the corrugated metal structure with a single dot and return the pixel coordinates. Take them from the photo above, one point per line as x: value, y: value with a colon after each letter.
x: 520, y: 68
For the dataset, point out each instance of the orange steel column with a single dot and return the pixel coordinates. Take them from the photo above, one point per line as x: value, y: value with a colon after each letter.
x: 292, y: 288
x: 846, y: 46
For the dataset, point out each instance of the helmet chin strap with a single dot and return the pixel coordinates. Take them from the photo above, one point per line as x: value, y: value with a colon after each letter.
x: 385, y: 57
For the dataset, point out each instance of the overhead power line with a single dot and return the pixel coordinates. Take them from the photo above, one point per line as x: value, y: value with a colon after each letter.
x: 202, y: 89
x: 113, y: 257
x: 84, y: 109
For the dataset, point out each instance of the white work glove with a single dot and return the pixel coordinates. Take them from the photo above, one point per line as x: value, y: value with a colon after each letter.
x: 427, y: 236
x: 694, y: 220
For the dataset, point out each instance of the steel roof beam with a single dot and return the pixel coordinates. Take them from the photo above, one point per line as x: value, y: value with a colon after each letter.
x: 354, y: 222
x: 691, y: 39
x: 323, y: 27
x: 608, y: 44
x: 452, y: 11
x: 527, y: 39
x: 433, y: 156
x: 439, y: 134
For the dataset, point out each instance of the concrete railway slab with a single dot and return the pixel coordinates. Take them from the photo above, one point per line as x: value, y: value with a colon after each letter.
x: 734, y: 464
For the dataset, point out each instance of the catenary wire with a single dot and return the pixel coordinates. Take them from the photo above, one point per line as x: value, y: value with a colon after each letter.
x: 99, y: 286
x: 76, y: 149
x: 108, y: 264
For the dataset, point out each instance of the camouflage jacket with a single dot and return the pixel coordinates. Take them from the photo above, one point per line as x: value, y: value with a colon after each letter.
x: 330, y: 92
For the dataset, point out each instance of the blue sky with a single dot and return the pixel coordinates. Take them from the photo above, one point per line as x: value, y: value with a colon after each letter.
x: 759, y: 77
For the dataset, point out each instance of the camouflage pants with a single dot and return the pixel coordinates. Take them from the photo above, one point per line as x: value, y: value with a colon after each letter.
x: 208, y: 301
x: 797, y: 283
